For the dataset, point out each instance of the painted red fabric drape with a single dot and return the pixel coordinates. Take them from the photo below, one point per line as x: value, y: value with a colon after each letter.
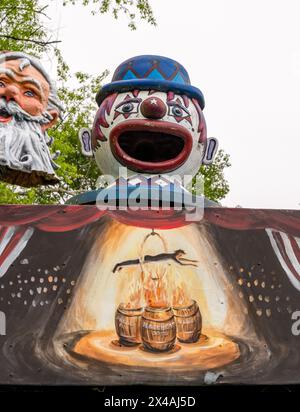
x: 65, y: 218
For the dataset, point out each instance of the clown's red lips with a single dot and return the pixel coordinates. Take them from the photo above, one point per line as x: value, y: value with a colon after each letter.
x: 151, y: 146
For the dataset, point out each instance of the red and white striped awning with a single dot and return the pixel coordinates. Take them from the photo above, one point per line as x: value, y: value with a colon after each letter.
x: 18, y: 223
x: 13, y: 240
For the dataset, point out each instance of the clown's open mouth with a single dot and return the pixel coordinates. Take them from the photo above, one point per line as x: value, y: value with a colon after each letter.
x: 4, y: 116
x: 151, y: 146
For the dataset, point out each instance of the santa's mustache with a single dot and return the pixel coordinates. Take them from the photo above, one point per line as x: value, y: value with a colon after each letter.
x: 12, y: 108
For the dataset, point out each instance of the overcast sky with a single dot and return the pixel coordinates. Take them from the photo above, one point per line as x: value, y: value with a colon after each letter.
x: 245, y: 57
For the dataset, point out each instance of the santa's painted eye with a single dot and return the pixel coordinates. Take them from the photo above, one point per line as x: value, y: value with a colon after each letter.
x: 128, y: 106
x: 2, y: 84
x: 30, y: 93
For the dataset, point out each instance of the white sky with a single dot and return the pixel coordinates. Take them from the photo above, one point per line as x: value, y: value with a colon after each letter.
x: 243, y: 55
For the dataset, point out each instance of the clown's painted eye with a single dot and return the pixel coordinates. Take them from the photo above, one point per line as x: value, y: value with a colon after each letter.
x: 2, y: 84
x: 177, y: 110
x: 128, y: 106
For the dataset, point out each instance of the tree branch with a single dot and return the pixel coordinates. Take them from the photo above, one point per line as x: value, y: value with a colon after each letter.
x: 8, y: 10
x: 39, y: 42
x: 37, y: 11
x: 58, y: 190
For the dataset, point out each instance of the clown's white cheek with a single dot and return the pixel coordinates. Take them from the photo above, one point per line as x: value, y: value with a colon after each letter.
x: 188, y: 125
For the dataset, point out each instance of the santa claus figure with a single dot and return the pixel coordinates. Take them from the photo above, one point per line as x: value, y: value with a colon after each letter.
x: 29, y: 106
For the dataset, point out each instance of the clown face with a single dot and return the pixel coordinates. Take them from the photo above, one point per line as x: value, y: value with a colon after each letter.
x: 149, y: 132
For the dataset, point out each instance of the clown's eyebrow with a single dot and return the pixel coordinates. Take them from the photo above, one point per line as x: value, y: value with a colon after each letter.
x: 175, y: 103
x: 133, y: 100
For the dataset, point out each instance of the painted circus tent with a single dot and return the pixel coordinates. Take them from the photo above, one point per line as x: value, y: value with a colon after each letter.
x: 94, y: 294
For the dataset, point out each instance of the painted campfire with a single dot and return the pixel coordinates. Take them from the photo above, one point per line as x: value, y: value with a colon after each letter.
x: 158, y: 310
x: 137, y: 303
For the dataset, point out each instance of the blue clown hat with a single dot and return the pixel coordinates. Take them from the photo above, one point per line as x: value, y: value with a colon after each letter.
x: 151, y: 72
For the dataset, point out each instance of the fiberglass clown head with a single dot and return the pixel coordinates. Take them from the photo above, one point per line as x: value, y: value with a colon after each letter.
x: 149, y: 120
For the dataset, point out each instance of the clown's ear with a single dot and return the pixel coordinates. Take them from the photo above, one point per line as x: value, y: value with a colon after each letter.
x: 85, y: 137
x: 210, y: 151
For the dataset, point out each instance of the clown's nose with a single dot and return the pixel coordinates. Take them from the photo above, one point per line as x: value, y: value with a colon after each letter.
x: 153, y: 108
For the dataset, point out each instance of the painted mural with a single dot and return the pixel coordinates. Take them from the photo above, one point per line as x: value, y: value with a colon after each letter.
x: 95, y: 297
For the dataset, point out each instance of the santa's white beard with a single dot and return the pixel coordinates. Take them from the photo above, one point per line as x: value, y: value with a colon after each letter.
x: 23, y: 148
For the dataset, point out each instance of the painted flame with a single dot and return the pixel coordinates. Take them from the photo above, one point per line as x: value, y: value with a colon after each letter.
x: 158, y: 285
x: 180, y: 296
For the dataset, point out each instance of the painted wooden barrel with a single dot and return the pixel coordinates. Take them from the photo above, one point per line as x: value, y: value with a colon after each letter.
x: 188, y: 322
x: 128, y: 325
x: 158, y: 329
